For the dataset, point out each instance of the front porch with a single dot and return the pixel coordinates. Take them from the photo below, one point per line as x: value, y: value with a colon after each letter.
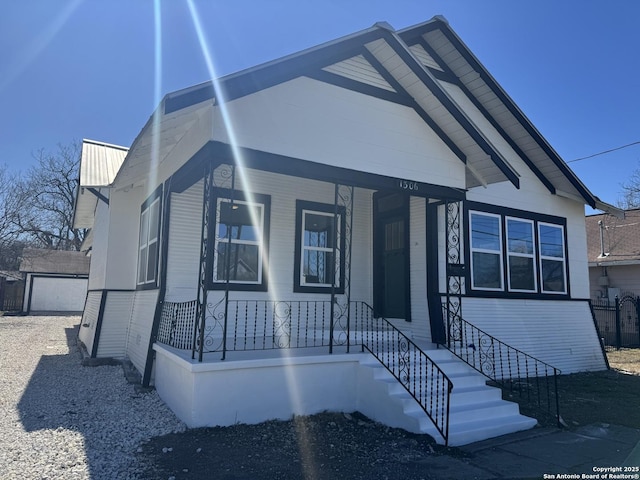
x: 286, y: 362
x: 274, y: 329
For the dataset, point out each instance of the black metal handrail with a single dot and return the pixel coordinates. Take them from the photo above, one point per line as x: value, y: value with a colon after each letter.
x: 423, y: 379
x: 510, y: 368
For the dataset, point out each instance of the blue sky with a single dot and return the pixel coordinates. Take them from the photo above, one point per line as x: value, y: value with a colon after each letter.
x: 74, y: 69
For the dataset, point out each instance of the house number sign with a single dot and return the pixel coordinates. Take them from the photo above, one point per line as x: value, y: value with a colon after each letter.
x: 408, y: 185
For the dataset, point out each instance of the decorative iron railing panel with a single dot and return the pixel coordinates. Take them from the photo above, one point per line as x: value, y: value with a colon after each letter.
x: 273, y: 324
x: 513, y: 370
x: 343, y: 199
x: 618, y: 320
x: 176, y: 324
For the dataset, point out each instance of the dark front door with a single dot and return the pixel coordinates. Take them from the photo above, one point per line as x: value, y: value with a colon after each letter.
x: 391, y: 255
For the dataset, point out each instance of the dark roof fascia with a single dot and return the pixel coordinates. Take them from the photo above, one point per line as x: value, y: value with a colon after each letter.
x: 455, y: 80
x: 219, y: 152
x: 443, y: 26
x: 258, y: 78
x: 413, y: 104
x: 422, y: 73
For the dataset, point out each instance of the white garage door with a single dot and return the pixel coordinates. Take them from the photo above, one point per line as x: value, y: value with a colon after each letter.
x: 53, y: 294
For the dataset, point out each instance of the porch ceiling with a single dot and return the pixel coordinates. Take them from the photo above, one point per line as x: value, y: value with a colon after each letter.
x: 158, y: 138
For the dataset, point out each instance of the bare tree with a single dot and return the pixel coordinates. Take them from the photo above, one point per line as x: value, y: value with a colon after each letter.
x: 8, y: 233
x: 11, y: 243
x: 7, y: 191
x: 631, y: 191
x: 45, y: 199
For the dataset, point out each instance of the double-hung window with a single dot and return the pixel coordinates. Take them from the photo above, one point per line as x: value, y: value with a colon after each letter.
x: 486, y: 251
x: 148, y: 241
x: 319, y: 264
x: 516, y: 252
x: 240, y: 242
x: 520, y: 255
x: 552, y: 258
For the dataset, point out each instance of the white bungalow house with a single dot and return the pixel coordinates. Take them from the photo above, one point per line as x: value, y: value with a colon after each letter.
x: 371, y: 224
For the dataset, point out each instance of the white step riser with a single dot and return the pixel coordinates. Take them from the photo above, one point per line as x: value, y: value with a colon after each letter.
x: 489, y: 410
x: 504, y: 409
x: 459, y: 436
x: 487, y: 394
x: 477, y: 412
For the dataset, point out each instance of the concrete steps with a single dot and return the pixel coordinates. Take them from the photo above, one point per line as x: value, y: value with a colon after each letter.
x: 477, y: 411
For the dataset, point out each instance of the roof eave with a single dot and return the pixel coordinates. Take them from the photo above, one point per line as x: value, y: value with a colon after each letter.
x: 439, y: 22
x: 608, y: 208
x: 450, y: 104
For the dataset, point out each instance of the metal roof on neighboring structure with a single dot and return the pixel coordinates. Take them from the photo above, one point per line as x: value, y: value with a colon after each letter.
x: 99, y: 166
x: 35, y: 260
x: 100, y: 163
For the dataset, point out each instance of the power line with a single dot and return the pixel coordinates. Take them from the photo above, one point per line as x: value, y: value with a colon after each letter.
x: 606, y: 151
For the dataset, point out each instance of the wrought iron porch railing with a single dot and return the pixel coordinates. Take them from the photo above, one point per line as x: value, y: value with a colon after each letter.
x: 267, y: 324
x: 410, y: 365
x: 513, y: 370
x: 254, y: 325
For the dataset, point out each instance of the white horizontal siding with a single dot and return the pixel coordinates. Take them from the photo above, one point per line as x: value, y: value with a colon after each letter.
x: 359, y: 69
x: 560, y: 333
x: 124, y: 226
x: 144, y: 305
x: 98, y: 266
x: 420, y: 324
x: 185, y: 230
x: 89, y: 319
x: 624, y: 277
x: 115, y: 324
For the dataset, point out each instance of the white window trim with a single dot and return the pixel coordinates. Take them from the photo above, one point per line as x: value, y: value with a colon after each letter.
x: 555, y: 259
x: 150, y: 240
x: 484, y: 250
x: 532, y: 256
x: 303, y: 248
x: 258, y: 242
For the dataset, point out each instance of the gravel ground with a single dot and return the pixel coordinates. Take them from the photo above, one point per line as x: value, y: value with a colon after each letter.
x: 59, y: 420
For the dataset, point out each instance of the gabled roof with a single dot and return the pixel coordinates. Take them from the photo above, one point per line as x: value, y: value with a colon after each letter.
x: 35, y: 260
x: 618, y: 237
x: 448, y: 53
x: 425, y: 67
x: 99, y: 165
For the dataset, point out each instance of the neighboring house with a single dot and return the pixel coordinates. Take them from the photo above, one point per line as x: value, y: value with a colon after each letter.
x: 55, y: 280
x: 380, y: 193
x: 614, y: 254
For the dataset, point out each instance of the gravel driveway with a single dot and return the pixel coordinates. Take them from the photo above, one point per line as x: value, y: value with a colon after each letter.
x: 59, y: 420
